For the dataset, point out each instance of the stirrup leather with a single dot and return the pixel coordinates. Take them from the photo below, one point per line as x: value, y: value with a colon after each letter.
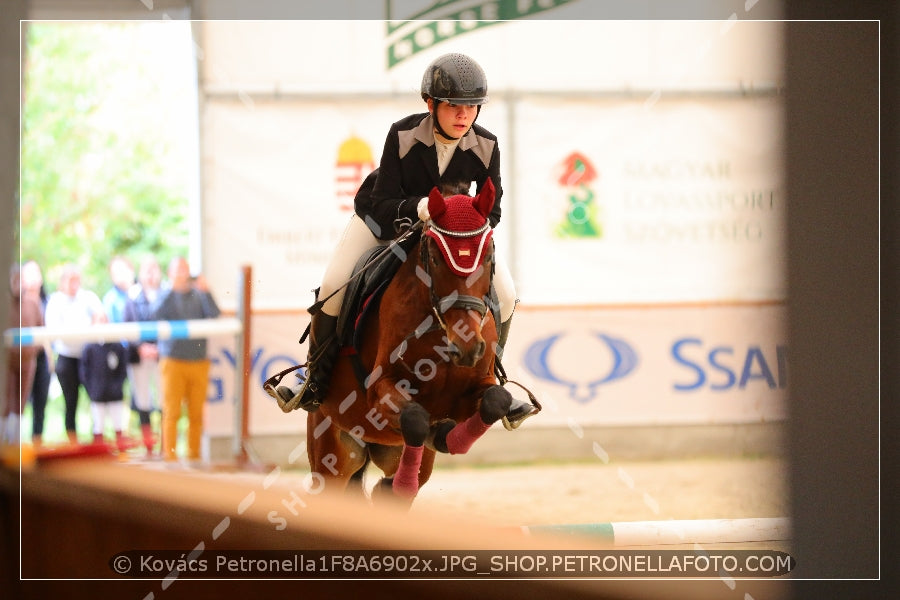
x: 520, y: 410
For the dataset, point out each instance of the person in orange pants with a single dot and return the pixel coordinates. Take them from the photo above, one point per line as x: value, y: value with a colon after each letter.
x: 183, y: 381
x: 183, y: 363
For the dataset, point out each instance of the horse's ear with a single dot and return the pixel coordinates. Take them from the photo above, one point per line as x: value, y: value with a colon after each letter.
x: 484, y: 202
x: 436, y: 203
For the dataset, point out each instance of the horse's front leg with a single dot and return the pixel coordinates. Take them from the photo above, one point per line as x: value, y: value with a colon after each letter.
x: 414, y: 426
x: 459, y: 438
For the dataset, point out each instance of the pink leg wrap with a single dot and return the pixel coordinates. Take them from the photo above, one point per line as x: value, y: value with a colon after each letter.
x: 406, y: 479
x: 461, y: 437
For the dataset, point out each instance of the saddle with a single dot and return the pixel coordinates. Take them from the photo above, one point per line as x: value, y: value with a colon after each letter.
x: 376, y: 268
x: 371, y: 274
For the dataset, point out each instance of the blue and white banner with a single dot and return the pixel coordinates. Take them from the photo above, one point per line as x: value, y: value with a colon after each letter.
x: 690, y: 364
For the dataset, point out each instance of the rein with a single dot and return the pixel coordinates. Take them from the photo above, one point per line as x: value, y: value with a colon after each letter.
x: 317, y: 306
x: 439, y: 304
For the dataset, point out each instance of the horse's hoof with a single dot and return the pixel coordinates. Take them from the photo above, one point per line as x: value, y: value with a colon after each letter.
x: 414, y: 424
x: 382, y: 494
x: 518, y: 412
x: 495, y: 404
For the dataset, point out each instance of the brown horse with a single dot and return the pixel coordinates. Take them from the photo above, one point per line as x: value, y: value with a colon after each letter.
x: 428, y: 356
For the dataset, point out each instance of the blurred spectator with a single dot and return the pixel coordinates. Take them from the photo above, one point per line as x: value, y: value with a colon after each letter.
x: 70, y: 306
x: 33, y: 286
x: 103, y: 369
x: 122, y: 275
x: 143, y: 356
x: 24, y: 311
x: 184, y: 364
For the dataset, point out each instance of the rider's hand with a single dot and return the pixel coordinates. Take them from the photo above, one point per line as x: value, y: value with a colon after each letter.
x: 424, y: 215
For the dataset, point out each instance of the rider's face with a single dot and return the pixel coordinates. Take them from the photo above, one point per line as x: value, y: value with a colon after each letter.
x: 455, y: 119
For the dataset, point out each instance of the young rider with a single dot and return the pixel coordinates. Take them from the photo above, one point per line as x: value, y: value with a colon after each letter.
x: 424, y: 150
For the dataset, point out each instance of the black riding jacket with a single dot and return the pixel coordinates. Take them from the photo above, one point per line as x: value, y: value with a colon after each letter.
x: 389, y: 196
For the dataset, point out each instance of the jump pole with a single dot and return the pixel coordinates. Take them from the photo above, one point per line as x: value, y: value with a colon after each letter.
x: 136, y: 331
x: 662, y: 533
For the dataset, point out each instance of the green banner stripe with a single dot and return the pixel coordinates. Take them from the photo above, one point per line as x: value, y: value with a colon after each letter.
x: 449, y: 23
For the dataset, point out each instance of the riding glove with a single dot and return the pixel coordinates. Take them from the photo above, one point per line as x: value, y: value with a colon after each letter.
x: 424, y: 215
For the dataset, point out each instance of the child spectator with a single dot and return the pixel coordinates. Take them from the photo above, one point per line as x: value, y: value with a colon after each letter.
x: 103, y: 370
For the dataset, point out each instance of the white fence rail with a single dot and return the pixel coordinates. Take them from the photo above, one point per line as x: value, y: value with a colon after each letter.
x: 130, y: 332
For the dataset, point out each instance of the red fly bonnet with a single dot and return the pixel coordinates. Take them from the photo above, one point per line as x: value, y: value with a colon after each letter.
x: 460, y: 226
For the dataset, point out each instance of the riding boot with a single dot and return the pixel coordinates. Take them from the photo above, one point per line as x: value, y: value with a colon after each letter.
x: 518, y: 410
x: 309, y: 392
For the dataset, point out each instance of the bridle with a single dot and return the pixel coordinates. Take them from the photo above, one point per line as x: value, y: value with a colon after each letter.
x: 441, y: 304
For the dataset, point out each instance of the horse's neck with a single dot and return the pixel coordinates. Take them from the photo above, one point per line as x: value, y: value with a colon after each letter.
x: 410, y: 277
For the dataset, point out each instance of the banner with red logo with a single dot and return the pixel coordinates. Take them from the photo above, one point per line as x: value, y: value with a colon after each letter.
x: 618, y: 202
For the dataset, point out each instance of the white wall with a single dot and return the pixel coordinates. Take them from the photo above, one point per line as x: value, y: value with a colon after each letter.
x: 687, y: 167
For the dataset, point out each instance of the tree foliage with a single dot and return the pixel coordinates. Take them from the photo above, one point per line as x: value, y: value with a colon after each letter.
x: 101, y: 174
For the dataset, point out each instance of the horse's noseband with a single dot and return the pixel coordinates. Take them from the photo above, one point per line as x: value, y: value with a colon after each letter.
x: 457, y: 300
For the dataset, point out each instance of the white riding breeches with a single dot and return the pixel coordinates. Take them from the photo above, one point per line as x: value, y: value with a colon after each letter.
x: 357, y: 239
x: 144, y: 377
x: 100, y: 411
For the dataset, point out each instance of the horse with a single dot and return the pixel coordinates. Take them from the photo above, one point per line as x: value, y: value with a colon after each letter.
x: 428, y: 359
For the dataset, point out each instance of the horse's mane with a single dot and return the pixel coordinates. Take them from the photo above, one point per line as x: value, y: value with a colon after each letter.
x: 454, y: 188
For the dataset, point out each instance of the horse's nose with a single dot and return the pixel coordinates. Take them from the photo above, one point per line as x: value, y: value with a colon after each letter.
x: 467, y: 357
x: 478, y: 351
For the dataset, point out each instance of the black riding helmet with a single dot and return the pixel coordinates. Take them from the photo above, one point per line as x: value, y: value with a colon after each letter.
x: 457, y: 79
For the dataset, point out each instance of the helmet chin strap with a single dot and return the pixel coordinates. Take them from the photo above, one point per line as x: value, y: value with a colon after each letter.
x: 437, y: 124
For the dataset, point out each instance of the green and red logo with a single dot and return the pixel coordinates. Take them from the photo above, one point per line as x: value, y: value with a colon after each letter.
x: 581, y: 219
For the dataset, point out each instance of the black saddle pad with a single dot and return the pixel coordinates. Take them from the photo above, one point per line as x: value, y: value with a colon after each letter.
x: 363, y: 291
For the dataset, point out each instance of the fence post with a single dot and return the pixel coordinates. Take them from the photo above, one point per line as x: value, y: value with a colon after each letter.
x: 243, y: 366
